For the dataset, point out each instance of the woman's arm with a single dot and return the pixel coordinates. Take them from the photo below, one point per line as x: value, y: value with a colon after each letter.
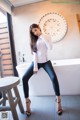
x: 35, y: 69
x: 48, y: 41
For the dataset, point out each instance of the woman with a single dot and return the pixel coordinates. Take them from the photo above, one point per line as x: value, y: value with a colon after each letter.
x: 39, y: 45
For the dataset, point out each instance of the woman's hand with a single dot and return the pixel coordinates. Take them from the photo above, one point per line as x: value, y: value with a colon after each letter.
x: 35, y: 72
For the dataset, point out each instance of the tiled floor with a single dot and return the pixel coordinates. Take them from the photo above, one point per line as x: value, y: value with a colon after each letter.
x: 44, y: 108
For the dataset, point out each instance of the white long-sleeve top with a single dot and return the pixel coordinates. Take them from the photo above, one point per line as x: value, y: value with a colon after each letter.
x: 43, y: 44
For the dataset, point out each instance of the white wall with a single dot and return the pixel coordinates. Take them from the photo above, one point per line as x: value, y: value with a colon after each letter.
x: 24, y: 16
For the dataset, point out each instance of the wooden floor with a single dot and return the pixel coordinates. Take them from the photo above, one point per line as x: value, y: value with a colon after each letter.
x: 44, y: 108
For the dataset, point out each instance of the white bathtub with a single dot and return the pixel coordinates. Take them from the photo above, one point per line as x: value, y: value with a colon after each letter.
x: 68, y: 73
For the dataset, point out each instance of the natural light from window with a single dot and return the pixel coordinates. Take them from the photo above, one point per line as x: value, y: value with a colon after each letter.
x: 3, y: 18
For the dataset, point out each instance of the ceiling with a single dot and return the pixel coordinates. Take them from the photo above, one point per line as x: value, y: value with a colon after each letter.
x: 17, y: 3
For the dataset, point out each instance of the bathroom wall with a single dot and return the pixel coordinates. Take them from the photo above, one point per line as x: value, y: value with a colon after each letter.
x: 24, y: 16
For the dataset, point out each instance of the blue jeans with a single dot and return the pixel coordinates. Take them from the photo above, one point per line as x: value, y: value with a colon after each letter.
x: 47, y: 66
x: 0, y: 95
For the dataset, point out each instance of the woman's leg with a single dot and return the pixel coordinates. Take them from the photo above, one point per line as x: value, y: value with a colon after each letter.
x: 25, y: 79
x: 49, y: 69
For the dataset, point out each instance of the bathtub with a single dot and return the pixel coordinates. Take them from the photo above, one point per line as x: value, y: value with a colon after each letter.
x: 68, y: 73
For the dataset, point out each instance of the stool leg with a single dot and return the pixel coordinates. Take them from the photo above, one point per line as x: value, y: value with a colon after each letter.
x: 18, y: 96
x: 12, y: 105
x: 4, y: 97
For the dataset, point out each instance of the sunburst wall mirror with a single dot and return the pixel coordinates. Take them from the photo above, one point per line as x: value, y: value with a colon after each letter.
x: 53, y: 24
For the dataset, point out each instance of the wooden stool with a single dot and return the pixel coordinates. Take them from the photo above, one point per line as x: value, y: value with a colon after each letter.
x: 6, y: 85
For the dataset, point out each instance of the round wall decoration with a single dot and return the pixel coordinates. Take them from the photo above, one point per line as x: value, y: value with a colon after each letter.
x: 53, y: 24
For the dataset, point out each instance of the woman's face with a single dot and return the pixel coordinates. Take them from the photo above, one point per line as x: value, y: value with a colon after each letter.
x: 36, y: 31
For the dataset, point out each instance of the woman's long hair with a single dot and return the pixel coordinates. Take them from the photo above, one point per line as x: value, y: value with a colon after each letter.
x: 33, y: 38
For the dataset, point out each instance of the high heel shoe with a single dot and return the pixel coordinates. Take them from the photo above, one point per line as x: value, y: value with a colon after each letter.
x: 28, y: 111
x: 59, y: 108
